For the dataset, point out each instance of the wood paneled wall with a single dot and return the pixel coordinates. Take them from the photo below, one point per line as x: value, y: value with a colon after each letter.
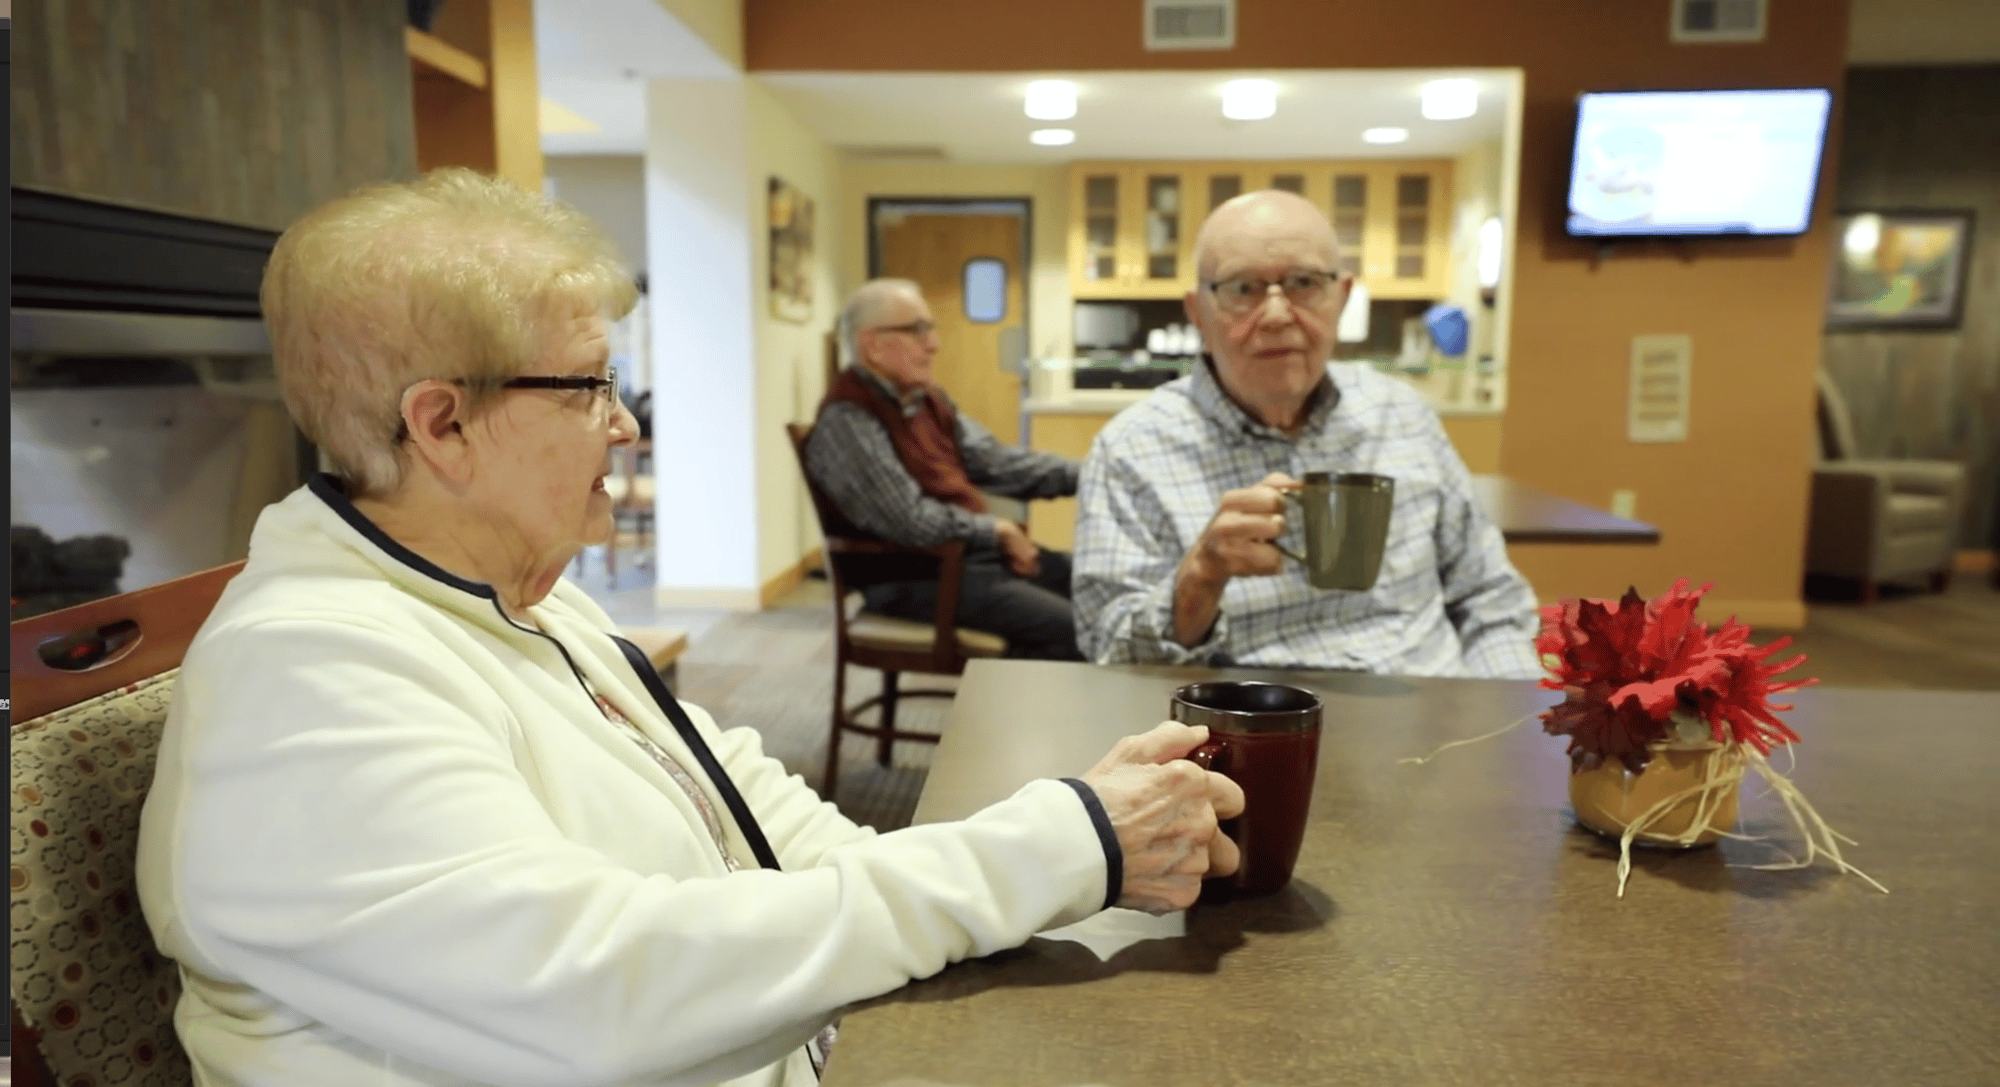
x: 1929, y: 138
x: 249, y: 111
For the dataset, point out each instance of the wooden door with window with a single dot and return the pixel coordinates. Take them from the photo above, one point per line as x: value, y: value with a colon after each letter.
x: 969, y: 267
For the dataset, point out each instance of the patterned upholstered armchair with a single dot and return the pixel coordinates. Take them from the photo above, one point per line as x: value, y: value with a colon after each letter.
x: 93, y: 1000
x: 1879, y: 520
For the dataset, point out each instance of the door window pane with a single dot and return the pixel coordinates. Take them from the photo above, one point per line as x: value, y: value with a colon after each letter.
x: 985, y: 292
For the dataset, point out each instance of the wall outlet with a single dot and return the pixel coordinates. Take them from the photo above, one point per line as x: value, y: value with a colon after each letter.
x: 1624, y: 504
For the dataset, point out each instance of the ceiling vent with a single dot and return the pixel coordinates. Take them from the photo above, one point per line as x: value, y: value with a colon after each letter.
x: 1660, y: 378
x: 1190, y: 24
x: 1708, y: 22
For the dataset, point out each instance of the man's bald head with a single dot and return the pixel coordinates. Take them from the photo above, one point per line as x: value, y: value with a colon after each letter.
x: 1260, y: 226
x: 1270, y: 350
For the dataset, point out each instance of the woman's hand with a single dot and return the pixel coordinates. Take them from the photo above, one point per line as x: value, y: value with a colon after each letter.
x: 1164, y: 810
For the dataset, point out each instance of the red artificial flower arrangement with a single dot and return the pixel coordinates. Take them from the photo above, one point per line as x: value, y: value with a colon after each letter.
x: 1629, y: 665
x: 1645, y: 679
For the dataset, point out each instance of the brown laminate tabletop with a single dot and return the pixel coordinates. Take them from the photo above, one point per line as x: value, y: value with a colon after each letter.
x: 1448, y: 924
x: 1531, y: 515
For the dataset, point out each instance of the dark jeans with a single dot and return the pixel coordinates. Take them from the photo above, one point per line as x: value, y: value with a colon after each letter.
x: 1033, y: 614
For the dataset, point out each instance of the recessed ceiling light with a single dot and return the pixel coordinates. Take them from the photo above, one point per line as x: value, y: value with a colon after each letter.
x: 1051, y: 137
x: 1051, y: 100
x: 1385, y: 135
x: 1450, y: 99
x: 1249, y: 99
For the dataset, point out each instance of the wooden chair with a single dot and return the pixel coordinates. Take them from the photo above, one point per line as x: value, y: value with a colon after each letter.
x: 91, y: 686
x: 892, y: 646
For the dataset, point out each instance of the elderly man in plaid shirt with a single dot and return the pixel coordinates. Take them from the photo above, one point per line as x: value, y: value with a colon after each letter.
x: 1181, y: 506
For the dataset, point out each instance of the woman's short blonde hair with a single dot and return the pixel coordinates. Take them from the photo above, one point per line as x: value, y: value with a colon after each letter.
x: 454, y: 275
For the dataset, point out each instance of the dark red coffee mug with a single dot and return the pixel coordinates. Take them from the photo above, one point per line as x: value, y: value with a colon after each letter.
x: 1265, y: 738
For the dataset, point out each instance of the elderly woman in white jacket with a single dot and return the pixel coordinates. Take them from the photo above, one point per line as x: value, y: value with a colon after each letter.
x: 420, y: 817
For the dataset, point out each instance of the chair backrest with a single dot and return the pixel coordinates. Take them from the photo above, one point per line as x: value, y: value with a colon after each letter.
x: 831, y: 527
x: 1836, y: 429
x: 831, y: 353
x: 91, y: 688
x: 830, y: 520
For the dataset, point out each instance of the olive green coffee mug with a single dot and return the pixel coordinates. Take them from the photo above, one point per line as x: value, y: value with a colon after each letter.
x: 1346, y: 527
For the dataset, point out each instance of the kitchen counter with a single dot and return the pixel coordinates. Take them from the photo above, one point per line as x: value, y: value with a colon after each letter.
x: 1113, y: 401
x: 1085, y: 402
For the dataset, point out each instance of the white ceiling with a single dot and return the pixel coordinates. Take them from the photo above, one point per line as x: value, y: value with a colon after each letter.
x: 595, y: 56
x: 978, y: 118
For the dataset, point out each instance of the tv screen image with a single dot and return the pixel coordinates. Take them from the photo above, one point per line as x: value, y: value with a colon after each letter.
x: 1696, y: 163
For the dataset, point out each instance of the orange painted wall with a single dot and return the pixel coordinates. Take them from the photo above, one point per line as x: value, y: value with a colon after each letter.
x: 1730, y: 500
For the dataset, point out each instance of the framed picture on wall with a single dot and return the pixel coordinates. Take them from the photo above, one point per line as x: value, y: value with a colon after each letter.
x: 1899, y: 269
x: 791, y: 213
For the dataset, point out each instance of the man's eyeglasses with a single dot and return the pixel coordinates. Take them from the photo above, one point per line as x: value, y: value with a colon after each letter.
x: 1239, y: 295
x: 919, y: 329
x: 605, y: 387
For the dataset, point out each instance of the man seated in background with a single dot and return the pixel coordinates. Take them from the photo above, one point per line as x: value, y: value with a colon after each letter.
x: 896, y: 458
x: 1182, y: 502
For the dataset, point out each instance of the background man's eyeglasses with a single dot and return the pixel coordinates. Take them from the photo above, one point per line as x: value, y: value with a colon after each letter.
x: 1242, y: 294
x: 919, y: 329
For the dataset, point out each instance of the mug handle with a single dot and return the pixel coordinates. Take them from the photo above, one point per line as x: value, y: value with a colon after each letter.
x: 1292, y: 496
x: 1213, y: 755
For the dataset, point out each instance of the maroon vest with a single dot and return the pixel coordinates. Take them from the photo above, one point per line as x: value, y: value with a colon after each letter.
x: 926, y: 443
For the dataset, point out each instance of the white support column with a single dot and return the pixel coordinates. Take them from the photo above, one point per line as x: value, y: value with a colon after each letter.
x: 699, y: 259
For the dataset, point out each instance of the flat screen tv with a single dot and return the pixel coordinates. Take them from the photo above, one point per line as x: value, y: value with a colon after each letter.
x: 1696, y: 163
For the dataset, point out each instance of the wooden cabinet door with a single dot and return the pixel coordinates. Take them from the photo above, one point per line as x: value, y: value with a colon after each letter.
x: 1210, y: 185
x: 1348, y: 190
x: 1133, y: 227
x: 1409, y: 239
x: 1101, y: 203
x: 1162, y: 232
x: 1216, y: 183
x: 1297, y: 178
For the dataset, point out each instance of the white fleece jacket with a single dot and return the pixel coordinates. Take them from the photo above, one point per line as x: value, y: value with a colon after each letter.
x: 392, y: 841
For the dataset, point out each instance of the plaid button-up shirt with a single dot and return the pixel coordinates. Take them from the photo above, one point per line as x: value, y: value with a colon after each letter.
x: 1447, y: 602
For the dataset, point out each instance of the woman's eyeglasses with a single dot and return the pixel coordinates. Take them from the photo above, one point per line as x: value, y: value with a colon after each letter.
x: 605, y: 388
